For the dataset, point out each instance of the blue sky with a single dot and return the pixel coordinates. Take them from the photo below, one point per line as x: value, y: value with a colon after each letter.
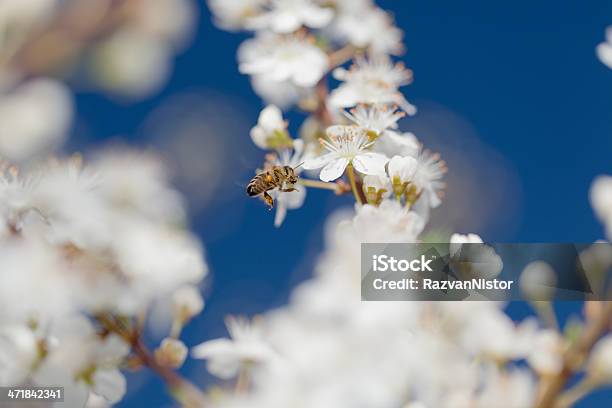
x: 515, y: 85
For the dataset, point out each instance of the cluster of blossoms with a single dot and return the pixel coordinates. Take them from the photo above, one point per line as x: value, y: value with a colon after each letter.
x: 88, y: 253
x: 80, y: 246
x: 123, y: 47
x: 323, y: 348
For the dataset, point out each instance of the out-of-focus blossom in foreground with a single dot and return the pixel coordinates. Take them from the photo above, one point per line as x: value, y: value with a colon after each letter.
x: 34, y: 119
x: 87, y: 241
x: 604, y: 50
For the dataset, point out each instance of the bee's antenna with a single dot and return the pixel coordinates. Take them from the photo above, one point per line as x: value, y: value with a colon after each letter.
x: 298, y: 165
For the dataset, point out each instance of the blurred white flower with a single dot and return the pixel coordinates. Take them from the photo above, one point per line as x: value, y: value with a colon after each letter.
x: 271, y: 129
x: 171, y: 21
x: 538, y: 281
x: 97, y: 238
x: 599, y: 366
x: 35, y: 118
x: 21, y: 11
x: 40, y: 291
x: 389, y: 222
x: 371, y: 28
x: 471, y: 258
x: 604, y: 50
x: 233, y: 14
x: 282, y: 94
x: 372, y: 81
x: 391, y: 143
x: 546, y: 352
x: 137, y: 182
x: 156, y: 260
x: 187, y: 302
x: 286, y: 16
x: 18, y: 353
x: 132, y: 63
x: 283, y: 58
x: 347, y: 145
x: 510, y: 389
x: 246, y: 347
x: 18, y: 19
x: 376, y: 118
x: 94, y: 368
x: 171, y: 353
x: 601, y: 200
x: 65, y: 195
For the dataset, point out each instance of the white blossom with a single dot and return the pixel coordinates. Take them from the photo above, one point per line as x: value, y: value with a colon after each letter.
x: 233, y: 14
x: 286, y: 16
x: 371, y: 28
x: 604, y: 50
x: 132, y: 63
x: 283, y: 58
x: 402, y: 169
x: 18, y: 353
x: 271, y: 129
x: 171, y: 353
x: 601, y: 200
x: 546, y: 352
x: 282, y: 94
x: 372, y: 81
x: 138, y: 182
x: 391, y: 143
x: 538, y: 281
x: 471, y: 258
x: 187, y: 302
x: 34, y: 119
x: 599, y: 366
x: 347, y: 145
x: 376, y: 188
x: 94, y: 368
x: 247, y: 346
x: 375, y: 118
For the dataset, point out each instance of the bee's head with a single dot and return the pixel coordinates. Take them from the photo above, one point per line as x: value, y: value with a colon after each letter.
x: 291, y: 176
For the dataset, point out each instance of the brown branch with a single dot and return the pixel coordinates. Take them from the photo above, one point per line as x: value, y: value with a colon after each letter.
x: 341, y: 56
x: 183, y: 390
x: 575, y: 357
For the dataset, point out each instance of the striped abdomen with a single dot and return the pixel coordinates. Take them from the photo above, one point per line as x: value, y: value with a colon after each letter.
x: 261, y: 182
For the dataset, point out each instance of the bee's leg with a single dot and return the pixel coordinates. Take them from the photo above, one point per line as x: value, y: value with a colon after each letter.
x: 269, y: 200
x: 288, y: 190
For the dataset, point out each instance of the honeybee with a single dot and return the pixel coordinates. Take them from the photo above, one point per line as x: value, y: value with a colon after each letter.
x: 281, y: 177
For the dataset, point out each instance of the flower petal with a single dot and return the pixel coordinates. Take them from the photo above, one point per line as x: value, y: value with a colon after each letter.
x: 109, y: 384
x: 281, y: 213
x: 334, y: 169
x: 319, y: 161
x: 271, y: 118
x: 370, y: 163
x: 294, y: 199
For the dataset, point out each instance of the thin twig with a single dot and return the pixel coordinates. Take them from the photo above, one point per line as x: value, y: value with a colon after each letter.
x: 575, y: 356
x: 335, y: 187
x: 351, y: 176
x: 342, y: 55
x: 183, y: 390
